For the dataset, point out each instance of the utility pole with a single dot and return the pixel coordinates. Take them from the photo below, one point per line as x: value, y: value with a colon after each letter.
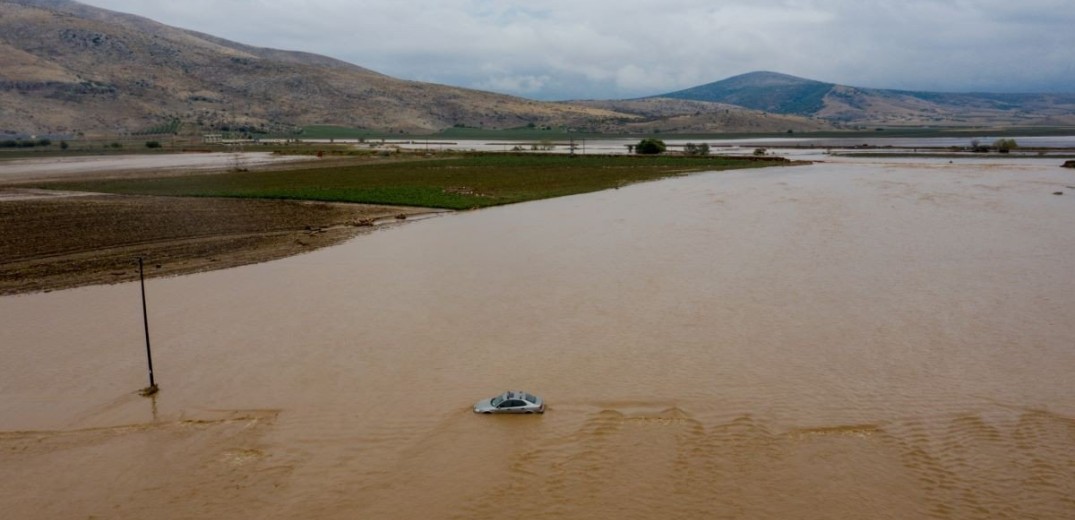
x: 152, y: 388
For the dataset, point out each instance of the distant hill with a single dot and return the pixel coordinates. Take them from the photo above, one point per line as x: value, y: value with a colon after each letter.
x: 784, y: 94
x: 66, y: 67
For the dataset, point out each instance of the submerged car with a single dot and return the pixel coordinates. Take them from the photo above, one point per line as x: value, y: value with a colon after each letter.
x: 511, y: 402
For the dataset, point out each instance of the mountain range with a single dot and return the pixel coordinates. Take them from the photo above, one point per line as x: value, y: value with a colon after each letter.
x: 68, y: 68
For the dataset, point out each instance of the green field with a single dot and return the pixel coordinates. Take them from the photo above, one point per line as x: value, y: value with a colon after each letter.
x: 471, y: 181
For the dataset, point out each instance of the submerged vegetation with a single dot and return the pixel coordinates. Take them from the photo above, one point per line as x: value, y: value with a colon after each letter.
x: 470, y: 181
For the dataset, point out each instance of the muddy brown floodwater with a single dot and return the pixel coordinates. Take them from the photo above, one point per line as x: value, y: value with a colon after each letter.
x: 845, y: 340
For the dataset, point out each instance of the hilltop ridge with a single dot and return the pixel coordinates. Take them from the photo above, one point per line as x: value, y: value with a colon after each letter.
x: 848, y: 105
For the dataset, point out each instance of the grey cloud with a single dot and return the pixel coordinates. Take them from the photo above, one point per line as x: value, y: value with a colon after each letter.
x: 559, y: 49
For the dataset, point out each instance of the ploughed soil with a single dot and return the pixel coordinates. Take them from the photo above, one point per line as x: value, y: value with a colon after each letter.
x: 58, y: 240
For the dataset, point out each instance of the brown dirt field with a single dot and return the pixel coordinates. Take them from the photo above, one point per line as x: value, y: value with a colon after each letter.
x: 56, y: 242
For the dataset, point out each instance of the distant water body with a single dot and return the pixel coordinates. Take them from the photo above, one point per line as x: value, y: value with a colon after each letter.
x: 620, y: 146
x: 859, y: 338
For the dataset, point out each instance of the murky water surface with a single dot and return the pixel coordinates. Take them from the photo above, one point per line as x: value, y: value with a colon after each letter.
x: 842, y: 340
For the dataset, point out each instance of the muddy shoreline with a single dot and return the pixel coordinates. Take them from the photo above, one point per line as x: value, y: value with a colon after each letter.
x: 58, y: 242
x: 52, y: 240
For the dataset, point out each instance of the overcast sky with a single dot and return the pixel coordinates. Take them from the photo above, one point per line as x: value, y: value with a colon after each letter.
x: 575, y: 49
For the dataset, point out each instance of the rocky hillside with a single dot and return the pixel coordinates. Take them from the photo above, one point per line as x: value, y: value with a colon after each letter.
x: 66, y: 67
x: 841, y: 104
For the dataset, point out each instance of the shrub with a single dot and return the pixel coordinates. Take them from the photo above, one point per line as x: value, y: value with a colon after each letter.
x: 696, y: 149
x: 1005, y: 145
x: 153, y: 144
x: 650, y: 146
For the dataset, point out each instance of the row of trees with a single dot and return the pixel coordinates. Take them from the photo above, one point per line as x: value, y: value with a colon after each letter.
x: 653, y: 146
x: 1000, y: 145
x: 24, y: 143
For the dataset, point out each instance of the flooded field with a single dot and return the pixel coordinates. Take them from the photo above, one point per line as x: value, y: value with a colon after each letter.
x: 53, y: 168
x: 851, y: 339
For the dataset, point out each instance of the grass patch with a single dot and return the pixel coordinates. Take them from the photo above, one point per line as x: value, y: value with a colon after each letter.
x: 471, y: 181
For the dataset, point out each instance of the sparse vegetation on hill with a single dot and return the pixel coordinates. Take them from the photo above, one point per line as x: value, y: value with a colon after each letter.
x: 682, y: 116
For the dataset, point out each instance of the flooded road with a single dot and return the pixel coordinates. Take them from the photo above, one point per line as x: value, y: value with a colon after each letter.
x: 844, y: 340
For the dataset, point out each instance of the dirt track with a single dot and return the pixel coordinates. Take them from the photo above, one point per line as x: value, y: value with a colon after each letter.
x: 53, y: 242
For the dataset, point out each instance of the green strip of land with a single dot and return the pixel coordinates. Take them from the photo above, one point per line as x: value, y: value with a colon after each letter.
x: 471, y: 181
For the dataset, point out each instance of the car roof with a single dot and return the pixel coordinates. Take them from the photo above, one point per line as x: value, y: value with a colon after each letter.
x: 519, y: 394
